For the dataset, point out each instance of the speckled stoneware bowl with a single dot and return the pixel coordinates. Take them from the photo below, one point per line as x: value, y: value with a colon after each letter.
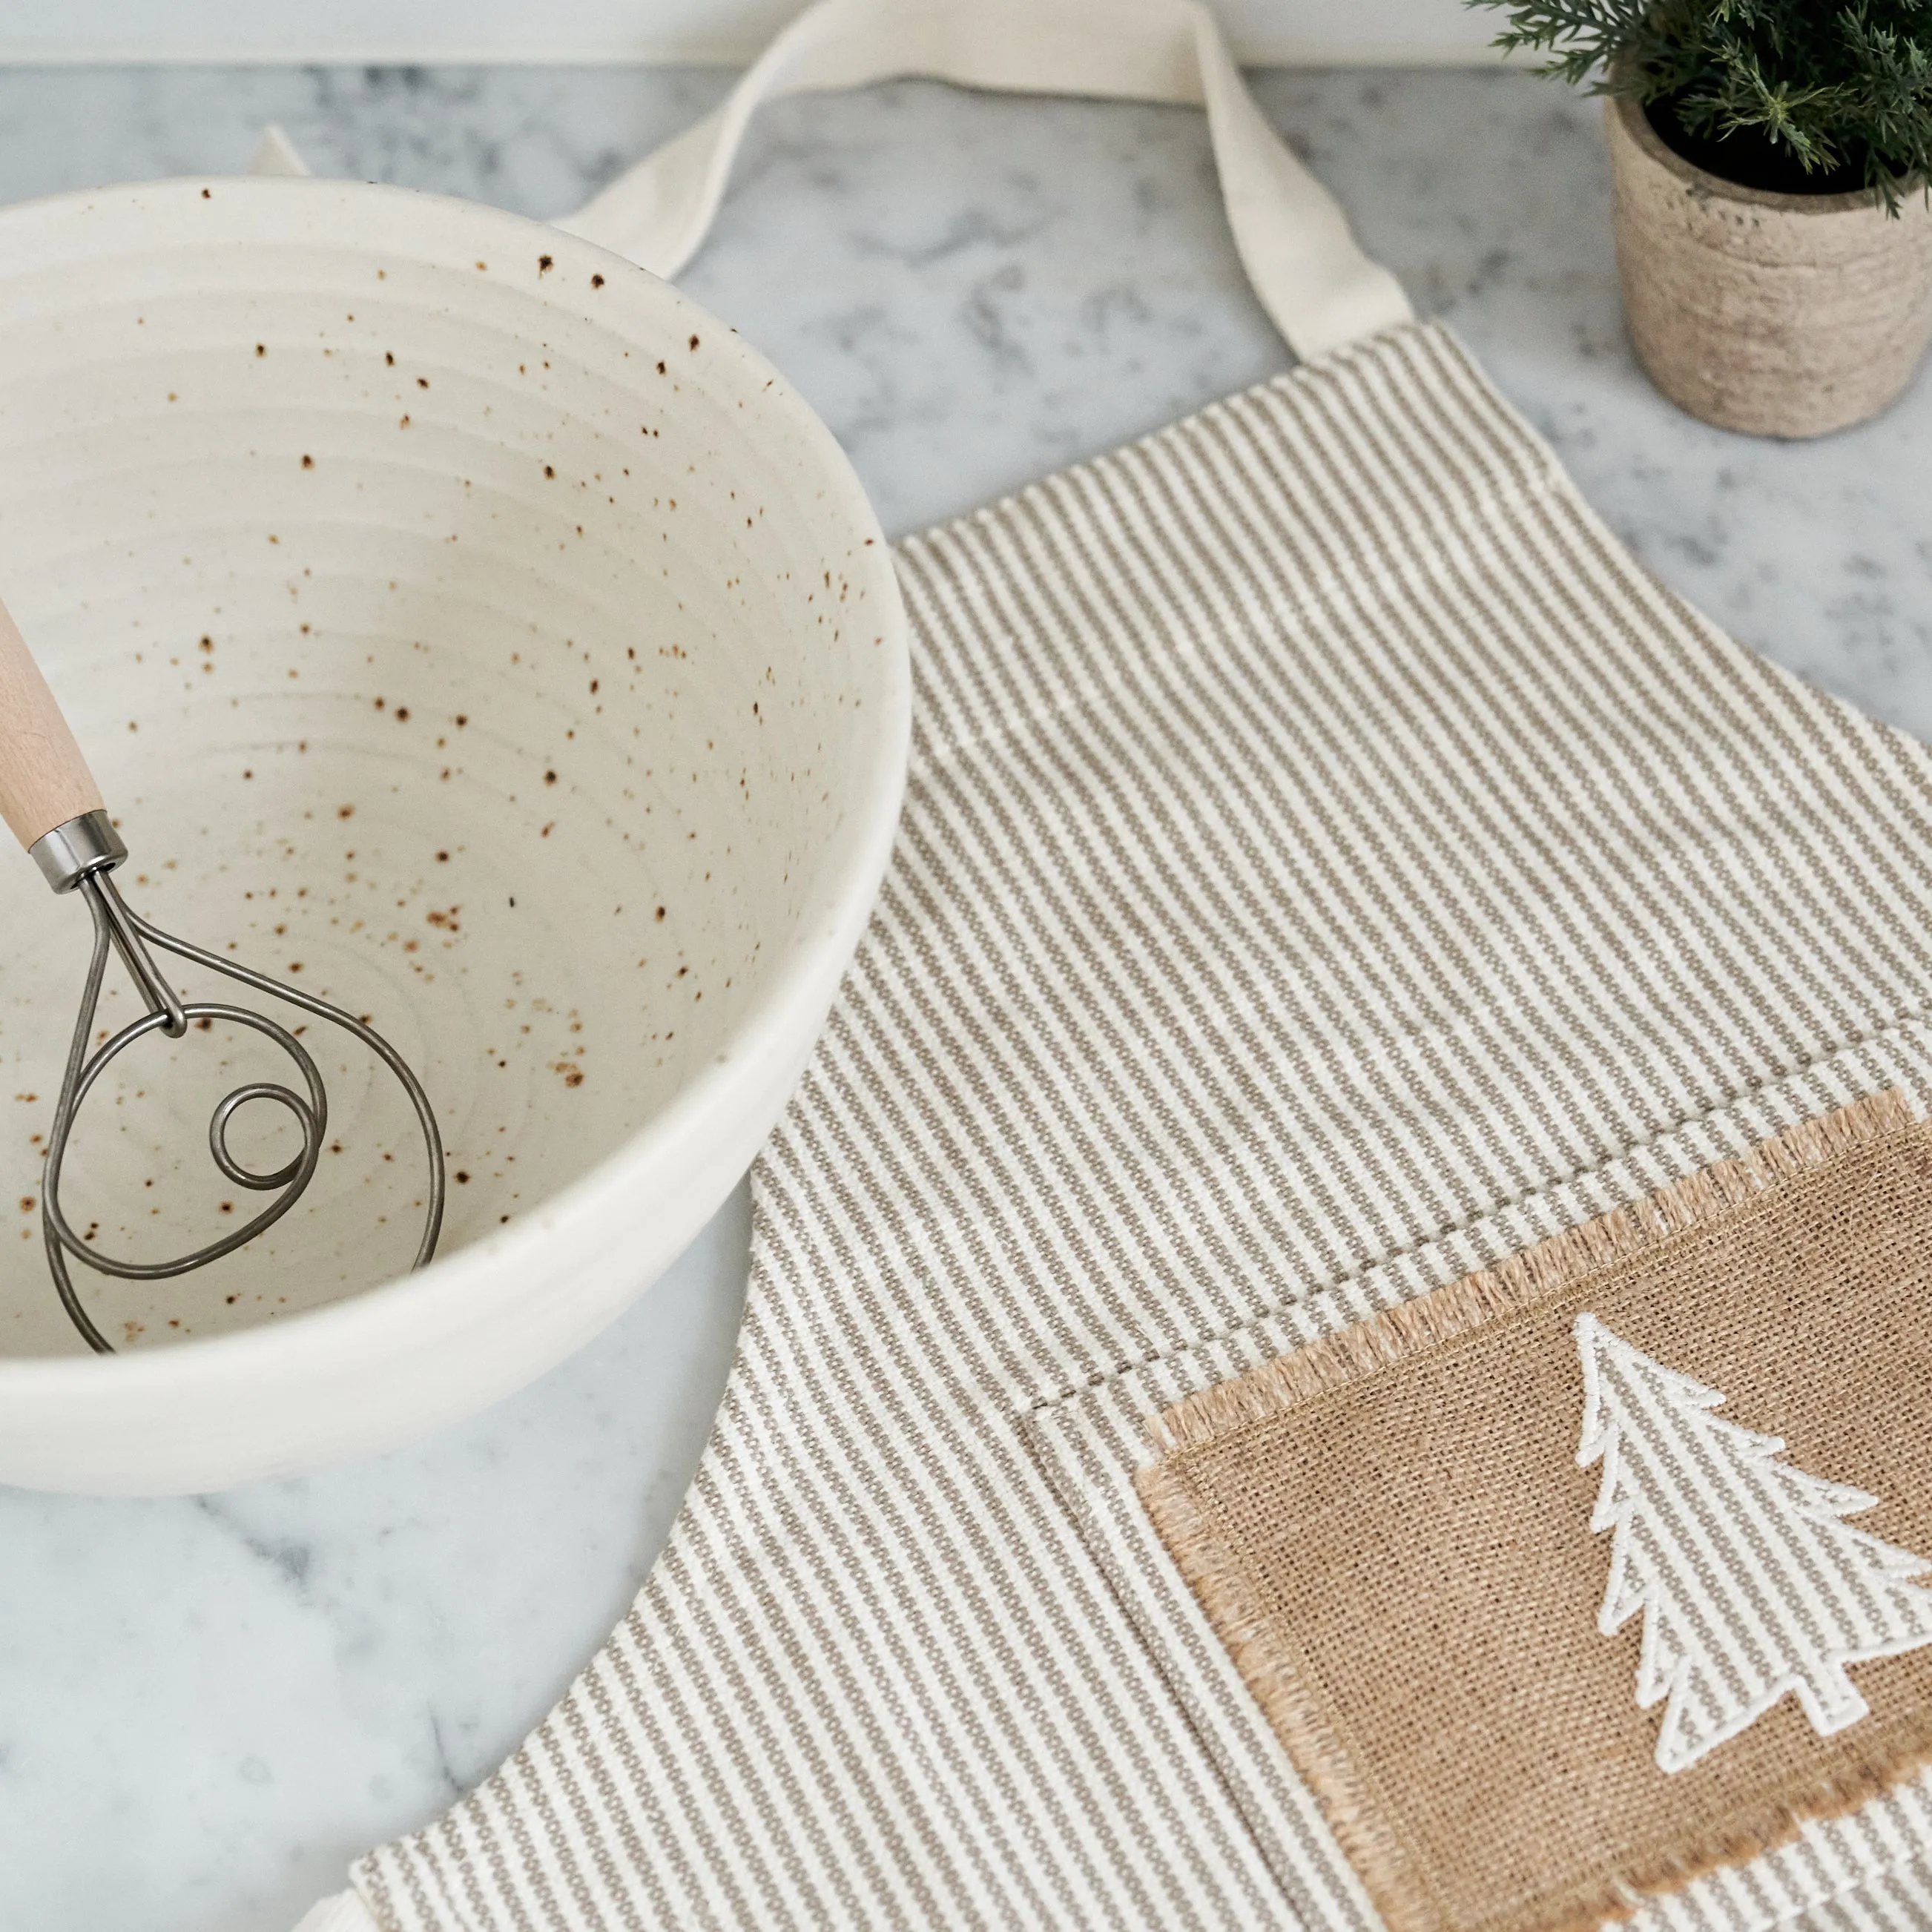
x: 471, y: 629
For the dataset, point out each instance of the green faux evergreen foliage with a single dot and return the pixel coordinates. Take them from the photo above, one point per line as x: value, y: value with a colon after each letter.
x: 1832, y: 95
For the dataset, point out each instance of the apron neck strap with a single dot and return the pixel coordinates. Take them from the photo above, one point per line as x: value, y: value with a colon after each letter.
x: 1319, y: 288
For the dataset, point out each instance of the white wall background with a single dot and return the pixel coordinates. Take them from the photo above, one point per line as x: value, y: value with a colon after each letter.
x: 1285, y: 32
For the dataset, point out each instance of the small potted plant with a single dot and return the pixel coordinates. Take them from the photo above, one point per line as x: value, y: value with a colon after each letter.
x: 1771, y: 160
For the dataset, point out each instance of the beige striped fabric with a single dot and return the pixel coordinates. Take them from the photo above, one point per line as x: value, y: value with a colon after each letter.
x: 1330, y: 864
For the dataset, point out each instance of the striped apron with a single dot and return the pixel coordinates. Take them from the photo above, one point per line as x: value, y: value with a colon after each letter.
x: 1330, y: 864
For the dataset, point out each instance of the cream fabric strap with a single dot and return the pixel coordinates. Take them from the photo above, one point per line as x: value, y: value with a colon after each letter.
x: 1317, y: 286
x: 344, y: 1912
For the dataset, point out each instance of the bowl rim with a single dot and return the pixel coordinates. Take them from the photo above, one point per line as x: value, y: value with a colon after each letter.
x: 789, y: 1008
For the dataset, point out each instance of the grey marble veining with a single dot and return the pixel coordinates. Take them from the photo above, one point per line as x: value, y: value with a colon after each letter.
x: 207, y: 1707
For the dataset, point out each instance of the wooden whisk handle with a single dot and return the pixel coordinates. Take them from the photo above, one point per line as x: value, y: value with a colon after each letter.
x: 44, y: 780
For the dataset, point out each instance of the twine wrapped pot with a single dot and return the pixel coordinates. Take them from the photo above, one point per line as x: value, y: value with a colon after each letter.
x: 1788, y: 315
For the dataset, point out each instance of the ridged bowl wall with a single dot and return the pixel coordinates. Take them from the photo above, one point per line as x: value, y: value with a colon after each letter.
x: 470, y: 629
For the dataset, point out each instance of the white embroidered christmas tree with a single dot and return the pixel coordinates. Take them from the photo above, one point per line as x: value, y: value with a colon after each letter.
x: 1752, y: 1582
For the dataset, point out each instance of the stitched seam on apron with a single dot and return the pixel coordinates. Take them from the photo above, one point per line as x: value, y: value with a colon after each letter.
x: 1918, y: 1016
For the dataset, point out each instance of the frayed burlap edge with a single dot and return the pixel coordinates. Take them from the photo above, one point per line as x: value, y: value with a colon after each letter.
x: 1267, y: 1665
x: 1527, y: 1277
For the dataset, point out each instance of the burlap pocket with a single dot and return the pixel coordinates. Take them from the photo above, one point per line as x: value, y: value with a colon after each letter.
x: 1527, y: 1692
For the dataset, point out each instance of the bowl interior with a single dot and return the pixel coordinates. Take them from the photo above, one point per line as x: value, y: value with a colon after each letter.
x: 463, y: 628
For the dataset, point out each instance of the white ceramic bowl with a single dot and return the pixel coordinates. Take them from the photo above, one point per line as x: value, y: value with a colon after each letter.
x: 459, y: 619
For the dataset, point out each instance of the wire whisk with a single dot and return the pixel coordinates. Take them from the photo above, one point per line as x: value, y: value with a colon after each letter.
x: 51, y: 802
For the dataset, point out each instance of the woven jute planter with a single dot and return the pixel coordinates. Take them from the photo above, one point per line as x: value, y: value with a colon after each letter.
x: 1787, y: 315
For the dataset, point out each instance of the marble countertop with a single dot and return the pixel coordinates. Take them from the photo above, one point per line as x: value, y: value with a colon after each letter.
x: 208, y: 1706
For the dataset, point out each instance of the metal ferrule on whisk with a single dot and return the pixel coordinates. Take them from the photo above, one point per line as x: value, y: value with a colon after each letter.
x: 78, y: 856
x: 72, y: 852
